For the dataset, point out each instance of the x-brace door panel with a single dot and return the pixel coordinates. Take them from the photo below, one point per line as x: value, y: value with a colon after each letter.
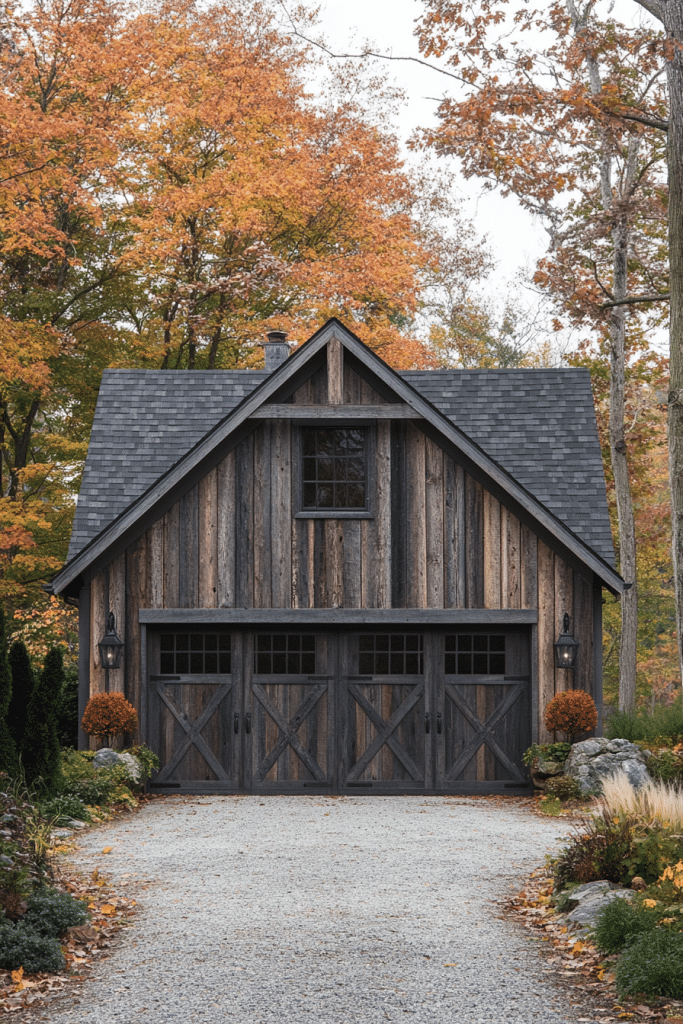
x: 290, y: 714
x: 486, y: 731
x: 195, y: 737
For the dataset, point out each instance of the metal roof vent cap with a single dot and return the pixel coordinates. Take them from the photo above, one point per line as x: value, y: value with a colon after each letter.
x: 276, y: 349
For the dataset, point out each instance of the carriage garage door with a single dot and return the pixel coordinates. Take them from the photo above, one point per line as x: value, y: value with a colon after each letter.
x: 358, y: 712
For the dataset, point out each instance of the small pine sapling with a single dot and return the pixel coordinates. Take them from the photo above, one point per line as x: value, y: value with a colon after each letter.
x: 108, y: 715
x: 9, y: 761
x: 23, y: 684
x: 40, y: 749
x: 571, y: 712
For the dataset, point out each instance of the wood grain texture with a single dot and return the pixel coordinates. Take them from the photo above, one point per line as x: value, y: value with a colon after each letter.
x: 474, y: 539
x: 583, y: 632
x: 434, y: 514
x: 511, y: 555
x: 138, y: 593
x: 155, y: 547
x: 117, y: 605
x: 492, y: 551
x: 351, y: 530
x: 546, y: 635
x: 335, y: 372
x: 529, y: 568
x: 244, y: 524
x: 334, y: 563
x: 564, y: 602
x: 300, y: 563
x: 454, y: 535
x: 376, y: 554
x: 416, y: 518
x: 399, y: 554
x: 225, y: 547
x: 99, y: 607
x: 188, y: 558
x: 266, y: 515
x: 352, y: 387
x: 171, y: 557
x: 281, y: 505
x: 208, y: 541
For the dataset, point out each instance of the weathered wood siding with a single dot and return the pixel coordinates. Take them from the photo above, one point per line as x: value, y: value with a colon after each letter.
x: 436, y: 539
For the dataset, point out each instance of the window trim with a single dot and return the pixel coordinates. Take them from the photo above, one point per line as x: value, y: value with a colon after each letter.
x: 303, y: 513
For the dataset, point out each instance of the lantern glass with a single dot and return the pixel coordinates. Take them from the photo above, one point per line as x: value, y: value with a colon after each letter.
x: 566, y: 647
x: 111, y: 645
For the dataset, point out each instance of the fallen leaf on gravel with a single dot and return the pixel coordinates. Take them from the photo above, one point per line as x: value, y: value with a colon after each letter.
x: 107, y: 908
x: 107, y: 849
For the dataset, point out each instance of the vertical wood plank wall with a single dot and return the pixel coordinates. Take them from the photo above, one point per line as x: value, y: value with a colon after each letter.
x: 436, y: 539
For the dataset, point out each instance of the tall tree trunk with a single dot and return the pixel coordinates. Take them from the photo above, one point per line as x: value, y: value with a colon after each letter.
x: 673, y: 22
x: 628, y: 640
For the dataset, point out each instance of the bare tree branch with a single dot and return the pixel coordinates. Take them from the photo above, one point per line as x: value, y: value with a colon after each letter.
x: 629, y: 300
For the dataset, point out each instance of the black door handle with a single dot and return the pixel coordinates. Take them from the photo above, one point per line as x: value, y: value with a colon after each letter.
x: 438, y: 721
x: 248, y: 722
x: 427, y: 722
x: 236, y: 723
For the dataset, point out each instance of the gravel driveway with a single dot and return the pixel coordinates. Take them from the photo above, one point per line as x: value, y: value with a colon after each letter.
x: 313, y: 909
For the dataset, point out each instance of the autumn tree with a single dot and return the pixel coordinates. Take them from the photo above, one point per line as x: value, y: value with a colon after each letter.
x: 548, y: 127
x: 171, y: 189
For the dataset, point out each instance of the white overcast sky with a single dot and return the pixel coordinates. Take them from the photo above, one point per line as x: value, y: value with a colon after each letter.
x: 516, y: 241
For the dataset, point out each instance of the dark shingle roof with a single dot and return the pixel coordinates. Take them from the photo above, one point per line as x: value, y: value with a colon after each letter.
x: 539, y: 425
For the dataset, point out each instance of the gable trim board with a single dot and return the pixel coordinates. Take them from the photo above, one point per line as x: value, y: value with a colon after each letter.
x: 239, y: 422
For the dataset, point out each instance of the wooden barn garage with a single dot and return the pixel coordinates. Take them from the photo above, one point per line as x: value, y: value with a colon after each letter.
x: 330, y: 576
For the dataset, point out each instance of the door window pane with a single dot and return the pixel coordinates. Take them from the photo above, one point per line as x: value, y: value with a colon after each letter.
x: 396, y: 654
x: 195, y: 654
x: 291, y: 654
x: 474, y: 654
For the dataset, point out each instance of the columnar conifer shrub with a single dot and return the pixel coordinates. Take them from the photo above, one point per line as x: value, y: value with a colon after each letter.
x: 40, y: 752
x: 8, y: 751
x: 571, y: 712
x: 23, y: 684
x: 108, y: 715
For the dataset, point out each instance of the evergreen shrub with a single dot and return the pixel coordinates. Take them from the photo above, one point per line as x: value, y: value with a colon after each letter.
x: 9, y: 761
x: 652, y: 965
x: 40, y: 749
x: 23, y: 684
x: 52, y: 911
x: 22, y: 946
x: 620, y: 921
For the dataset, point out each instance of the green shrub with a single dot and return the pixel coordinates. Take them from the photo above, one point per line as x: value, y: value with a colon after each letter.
x: 652, y: 850
x: 665, y: 722
x: 61, y: 809
x: 564, y: 787
x: 652, y: 964
x: 666, y: 766
x: 620, y: 921
x: 547, y: 752
x: 40, y: 750
x: 22, y: 946
x: 23, y: 684
x: 52, y: 911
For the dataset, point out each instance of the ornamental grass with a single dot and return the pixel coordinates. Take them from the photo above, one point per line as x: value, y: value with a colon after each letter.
x: 654, y: 801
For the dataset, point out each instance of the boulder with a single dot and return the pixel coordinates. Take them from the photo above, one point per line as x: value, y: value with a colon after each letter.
x: 588, y: 900
x: 594, y: 760
x: 106, y: 758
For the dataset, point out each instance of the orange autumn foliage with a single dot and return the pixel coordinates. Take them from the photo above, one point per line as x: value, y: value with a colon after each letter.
x: 571, y: 712
x: 108, y: 715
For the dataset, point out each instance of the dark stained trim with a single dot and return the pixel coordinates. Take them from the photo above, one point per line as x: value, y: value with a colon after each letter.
x: 597, y: 654
x: 200, y: 459
x: 381, y: 617
x: 334, y: 412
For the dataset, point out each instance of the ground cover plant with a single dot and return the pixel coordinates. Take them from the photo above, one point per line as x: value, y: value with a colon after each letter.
x: 635, y: 837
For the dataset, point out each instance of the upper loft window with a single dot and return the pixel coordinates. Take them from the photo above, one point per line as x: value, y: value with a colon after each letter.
x: 334, y: 469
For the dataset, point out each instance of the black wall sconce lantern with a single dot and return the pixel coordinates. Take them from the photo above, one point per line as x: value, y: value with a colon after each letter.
x: 111, y: 645
x: 566, y: 647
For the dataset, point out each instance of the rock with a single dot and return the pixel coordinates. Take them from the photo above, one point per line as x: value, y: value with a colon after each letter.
x: 106, y: 758
x: 550, y: 767
x: 596, y: 759
x: 591, y: 898
x: 638, y: 883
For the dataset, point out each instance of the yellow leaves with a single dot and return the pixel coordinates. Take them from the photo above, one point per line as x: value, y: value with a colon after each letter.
x: 673, y: 874
x: 108, y: 909
x: 649, y: 903
x: 107, y: 849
